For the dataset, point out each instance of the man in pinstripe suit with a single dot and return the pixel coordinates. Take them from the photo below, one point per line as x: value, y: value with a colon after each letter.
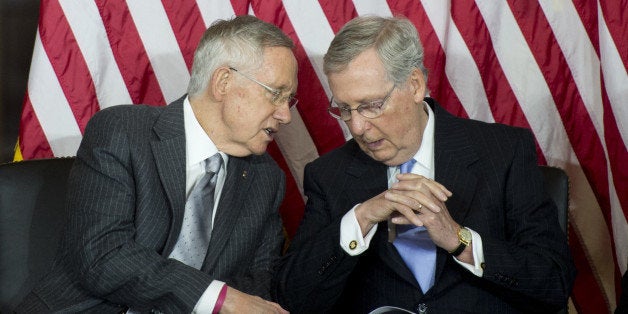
x: 475, y: 194
x: 137, y: 164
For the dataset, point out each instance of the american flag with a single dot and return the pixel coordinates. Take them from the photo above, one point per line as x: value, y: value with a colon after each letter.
x: 557, y: 67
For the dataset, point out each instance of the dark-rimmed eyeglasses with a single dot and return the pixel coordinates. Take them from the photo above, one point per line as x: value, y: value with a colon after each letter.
x: 371, y: 109
x: 277, y: 99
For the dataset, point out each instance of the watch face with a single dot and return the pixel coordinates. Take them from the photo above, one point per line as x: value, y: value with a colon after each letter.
x: 465, y: 236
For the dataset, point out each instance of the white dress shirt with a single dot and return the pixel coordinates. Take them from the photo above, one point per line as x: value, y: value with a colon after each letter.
x: 198, y: 147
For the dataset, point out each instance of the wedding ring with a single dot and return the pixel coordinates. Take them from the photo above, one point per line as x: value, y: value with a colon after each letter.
x: 420, y: 207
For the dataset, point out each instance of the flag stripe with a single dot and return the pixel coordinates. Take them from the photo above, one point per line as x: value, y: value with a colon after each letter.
x: 338, y: 13
x: 91, y: 37
x: 187, y: 25
x: 30, y: 129
x: 161, y: 46
x: 130, y: 56
x: 76, y: 92
x: 435, y: 61
x: 48, y: 100
x: 214, y: 10
x: 501, y: 101
x: 615, y: 16
x: 304, y: 18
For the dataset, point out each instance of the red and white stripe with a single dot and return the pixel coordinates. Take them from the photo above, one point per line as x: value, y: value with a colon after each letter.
x: 558, y: 68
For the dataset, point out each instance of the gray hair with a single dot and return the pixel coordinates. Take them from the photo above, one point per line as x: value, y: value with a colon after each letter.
x: 395, y: 39
x: 237, y: 43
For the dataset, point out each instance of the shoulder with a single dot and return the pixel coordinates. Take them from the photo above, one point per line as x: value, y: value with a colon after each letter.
x: 117, y: 116
x: 265, y: 165
x: 478, y: 132
x: 337, y: 156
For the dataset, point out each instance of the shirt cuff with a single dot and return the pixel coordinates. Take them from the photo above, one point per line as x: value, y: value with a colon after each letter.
x: 478, y: 255
x: 351, y: 238
x: 208, y: 300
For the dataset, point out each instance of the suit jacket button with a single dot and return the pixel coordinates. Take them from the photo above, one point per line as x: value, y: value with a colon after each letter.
x: 421, y: 308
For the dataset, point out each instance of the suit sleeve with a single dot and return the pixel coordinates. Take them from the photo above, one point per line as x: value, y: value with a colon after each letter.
x: 531, y: 261
x: 312, y: 274
x: 256, y: 278
x: 104, y: 254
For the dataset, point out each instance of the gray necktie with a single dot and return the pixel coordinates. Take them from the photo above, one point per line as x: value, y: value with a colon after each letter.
x: 191, y: 247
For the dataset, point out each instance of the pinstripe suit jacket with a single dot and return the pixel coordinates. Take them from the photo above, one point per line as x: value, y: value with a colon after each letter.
x: 497, y: 191
x: 126, y: 207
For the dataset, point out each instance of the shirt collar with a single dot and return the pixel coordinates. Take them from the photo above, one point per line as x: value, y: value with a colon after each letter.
x: 198, y: 146
x: 425, y: 155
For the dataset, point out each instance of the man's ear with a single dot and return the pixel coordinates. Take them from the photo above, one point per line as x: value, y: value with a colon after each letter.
x: 417, y: 81
x: 219, y: 83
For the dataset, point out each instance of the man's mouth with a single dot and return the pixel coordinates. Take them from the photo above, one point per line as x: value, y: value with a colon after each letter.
x: 270, y: 131
x: 372, y: 145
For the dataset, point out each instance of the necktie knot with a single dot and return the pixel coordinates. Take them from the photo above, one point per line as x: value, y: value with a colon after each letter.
x: 212, y: 164
x: 406, y: 167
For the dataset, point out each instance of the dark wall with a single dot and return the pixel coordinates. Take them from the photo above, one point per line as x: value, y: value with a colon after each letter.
x: 18, y: 25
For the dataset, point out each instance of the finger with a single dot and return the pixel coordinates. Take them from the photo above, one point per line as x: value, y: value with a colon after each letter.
x: 413, y: 200
x: 407, y: 213
x: 415, y: 182
x: 426, y: 186
x: 277, y: 307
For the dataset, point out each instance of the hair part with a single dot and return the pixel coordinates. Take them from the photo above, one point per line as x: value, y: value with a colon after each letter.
x: 238, y: 43
x: 395, y: 40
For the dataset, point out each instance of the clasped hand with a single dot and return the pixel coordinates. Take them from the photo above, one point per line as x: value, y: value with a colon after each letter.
x: 413, y: 200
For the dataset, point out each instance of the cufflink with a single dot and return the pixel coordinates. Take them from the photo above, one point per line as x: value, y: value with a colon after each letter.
x: 353, y: 244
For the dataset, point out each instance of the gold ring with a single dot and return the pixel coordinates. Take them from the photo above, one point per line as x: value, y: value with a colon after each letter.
x: 420, y: 206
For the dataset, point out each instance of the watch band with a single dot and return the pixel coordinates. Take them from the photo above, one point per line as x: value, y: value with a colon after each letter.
x: 459, y: 249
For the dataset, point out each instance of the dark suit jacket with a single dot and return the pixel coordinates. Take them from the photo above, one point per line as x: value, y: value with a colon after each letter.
x: 497, y: 191
x: 126, y: 202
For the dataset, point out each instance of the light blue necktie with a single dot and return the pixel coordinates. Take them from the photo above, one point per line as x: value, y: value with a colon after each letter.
x: 193, y: 241
x: 416, y: 247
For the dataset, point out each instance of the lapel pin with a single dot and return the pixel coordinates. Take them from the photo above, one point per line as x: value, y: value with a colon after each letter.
x: 244, y: 173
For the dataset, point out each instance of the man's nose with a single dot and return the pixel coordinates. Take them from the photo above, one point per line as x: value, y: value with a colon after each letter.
x: 282, y: 113
x: 358, y: 124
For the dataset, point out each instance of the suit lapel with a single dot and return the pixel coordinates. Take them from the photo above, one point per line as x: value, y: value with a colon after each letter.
x: 168, y: 147
x: 453, y: 157
x: 240, y: 174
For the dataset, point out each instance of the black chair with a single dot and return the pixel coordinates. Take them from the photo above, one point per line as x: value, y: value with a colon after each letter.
x: 32, y: 215
x: 557, y: 186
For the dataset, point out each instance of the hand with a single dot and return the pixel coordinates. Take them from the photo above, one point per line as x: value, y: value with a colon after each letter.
x: 240, y: 302
x: 403, y: 202
x: 424, y: 200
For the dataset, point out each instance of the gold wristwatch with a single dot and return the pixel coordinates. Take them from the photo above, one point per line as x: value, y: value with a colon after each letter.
x: 464, y: 237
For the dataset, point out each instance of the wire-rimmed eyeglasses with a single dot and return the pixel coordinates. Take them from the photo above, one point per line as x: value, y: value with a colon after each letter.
x: 277, y: 98
x: 371, y: 109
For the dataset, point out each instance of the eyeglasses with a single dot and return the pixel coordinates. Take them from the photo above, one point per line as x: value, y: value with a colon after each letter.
x: 371, y: 110
x: 277, y: 98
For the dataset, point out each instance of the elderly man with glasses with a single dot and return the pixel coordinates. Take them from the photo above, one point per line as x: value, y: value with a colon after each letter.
x: 421, y: 211
x: 174, y: 209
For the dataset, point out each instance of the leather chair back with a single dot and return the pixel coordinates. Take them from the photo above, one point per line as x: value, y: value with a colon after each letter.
x: 557, y: 186
x: 32, y: 215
